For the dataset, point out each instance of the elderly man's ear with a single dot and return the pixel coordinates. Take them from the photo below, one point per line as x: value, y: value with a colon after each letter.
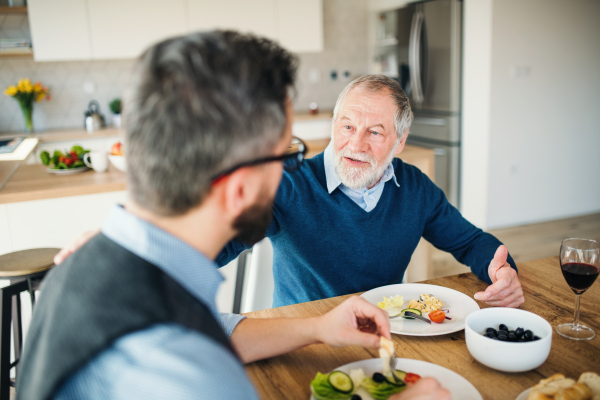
x: 400, y: 146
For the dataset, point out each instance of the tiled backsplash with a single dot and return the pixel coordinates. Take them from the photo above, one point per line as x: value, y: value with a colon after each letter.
x: 345, y: 34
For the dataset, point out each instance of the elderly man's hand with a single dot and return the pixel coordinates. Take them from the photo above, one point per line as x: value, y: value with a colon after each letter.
x: 505, y: 290
x: 424, y: 389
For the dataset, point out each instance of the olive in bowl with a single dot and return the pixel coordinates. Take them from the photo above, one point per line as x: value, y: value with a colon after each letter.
x: 505, y: 355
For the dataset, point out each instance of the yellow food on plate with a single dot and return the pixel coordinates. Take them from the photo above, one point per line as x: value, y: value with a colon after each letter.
x: 558, y: 387
x: 427, y: 303
x: 391, y: 302
x: 386, y: 349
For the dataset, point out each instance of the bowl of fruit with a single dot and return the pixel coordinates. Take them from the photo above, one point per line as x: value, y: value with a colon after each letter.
x: 508, y: 339
x: 68, y: 162
x: 117, y: 158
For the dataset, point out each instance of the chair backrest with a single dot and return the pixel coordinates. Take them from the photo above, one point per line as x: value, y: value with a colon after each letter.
x: 259, y: 283
x: 6, y: 306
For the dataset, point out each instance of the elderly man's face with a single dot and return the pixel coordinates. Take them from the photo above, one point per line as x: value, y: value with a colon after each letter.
x: 364, y: 138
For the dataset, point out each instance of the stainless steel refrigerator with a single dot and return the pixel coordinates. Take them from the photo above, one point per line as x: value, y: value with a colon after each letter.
x: 420, y: 46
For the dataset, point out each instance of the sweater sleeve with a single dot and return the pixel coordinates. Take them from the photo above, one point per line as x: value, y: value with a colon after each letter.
x: 448, y: 230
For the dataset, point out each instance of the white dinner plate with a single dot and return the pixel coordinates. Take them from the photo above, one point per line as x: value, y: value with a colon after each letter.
x: 459, y: 304
x: 67, y: 171
x: 523, y: 395
x: 459, y: 387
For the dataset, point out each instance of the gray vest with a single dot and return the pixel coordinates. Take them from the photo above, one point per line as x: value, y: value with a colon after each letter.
x: 99, y: 294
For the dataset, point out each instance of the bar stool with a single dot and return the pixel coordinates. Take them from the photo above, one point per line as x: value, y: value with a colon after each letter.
x: 25, y: 270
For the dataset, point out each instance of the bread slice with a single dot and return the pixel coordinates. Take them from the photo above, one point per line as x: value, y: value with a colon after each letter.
x: 578, y: 391
x: 591, y: 380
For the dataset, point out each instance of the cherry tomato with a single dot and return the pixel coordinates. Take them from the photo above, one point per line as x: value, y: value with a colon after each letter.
x: 411, y: 378
x: 437, y: 316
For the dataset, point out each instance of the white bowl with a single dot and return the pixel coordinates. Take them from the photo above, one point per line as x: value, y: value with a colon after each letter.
x: 508, y: 356
x: 118, y: 162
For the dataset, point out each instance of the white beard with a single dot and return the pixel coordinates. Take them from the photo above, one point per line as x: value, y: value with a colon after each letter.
x: 357, y: 177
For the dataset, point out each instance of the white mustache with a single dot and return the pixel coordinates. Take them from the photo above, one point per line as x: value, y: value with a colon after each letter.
x: 357, y: 156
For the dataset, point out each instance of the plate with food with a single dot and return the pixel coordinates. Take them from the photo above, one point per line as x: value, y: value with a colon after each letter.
x: 374, y: 379
x: 559, y: 387
x: 417, y: 309
x: 65, y: 163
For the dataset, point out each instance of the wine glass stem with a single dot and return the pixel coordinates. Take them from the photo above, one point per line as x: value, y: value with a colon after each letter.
x: 576, y: 317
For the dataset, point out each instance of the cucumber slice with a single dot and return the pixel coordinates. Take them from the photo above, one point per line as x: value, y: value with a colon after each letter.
x: 394, y: 380
x: 412, y: 310
x: 341, y: 382
x: 399, y: 375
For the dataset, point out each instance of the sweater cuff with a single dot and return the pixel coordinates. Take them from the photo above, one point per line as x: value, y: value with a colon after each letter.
x: 229, y: 322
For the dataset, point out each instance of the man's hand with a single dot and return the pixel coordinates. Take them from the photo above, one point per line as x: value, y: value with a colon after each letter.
x: 354, y: 322
x: 505, y: 290
x: 74, y: 245
x: 424, y: 389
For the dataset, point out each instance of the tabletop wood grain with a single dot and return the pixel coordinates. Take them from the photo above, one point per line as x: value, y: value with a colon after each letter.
x: 546, y: 294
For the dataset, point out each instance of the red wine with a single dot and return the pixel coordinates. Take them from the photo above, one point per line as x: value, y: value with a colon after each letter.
x: 579, y: 276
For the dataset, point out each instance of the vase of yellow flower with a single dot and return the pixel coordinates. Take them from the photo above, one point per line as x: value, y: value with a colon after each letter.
x: 27, y: 94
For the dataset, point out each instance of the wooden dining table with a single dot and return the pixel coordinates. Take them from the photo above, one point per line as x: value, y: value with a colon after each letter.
x: 546, y: 294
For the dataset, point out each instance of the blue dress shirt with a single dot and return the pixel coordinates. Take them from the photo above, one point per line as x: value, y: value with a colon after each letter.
x: 164, y: 361
x: 365, y: 198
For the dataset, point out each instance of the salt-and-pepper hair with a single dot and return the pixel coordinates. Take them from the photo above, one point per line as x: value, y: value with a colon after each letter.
x: 198, y: 105
x: 385, y: 85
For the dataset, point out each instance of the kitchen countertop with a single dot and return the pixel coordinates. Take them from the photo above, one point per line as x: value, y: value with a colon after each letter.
x: 33, y: 182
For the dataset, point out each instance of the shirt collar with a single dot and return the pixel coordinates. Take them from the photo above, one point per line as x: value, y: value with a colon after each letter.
x: 187, y: 266
x: 333, y: 180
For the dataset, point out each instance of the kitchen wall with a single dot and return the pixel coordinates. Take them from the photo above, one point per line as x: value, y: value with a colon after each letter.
x: 345, y: 36
x: 531, y: 129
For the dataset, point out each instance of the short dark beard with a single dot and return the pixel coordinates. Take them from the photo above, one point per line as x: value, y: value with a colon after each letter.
x: 253, y: 223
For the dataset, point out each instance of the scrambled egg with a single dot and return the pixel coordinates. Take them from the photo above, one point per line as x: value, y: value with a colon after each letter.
x: 391, y: 302
x: 426, y: 304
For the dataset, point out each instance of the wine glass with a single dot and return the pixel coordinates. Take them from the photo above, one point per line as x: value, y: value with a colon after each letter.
x: 580, y: 264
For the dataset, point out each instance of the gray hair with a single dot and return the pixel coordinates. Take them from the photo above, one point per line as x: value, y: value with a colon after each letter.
x: 198, y: 105
x: 377, y: 84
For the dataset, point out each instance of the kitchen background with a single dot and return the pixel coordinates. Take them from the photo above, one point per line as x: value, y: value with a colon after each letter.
x: 75, y: 83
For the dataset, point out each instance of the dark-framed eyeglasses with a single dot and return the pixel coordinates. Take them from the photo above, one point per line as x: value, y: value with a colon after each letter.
x: 292, y: 159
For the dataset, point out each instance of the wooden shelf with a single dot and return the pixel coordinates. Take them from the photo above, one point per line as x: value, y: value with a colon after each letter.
x: 13, y: 10
x: 16, y: 55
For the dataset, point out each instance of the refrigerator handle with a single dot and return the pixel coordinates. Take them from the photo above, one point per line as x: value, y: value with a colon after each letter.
x: 414, y: 56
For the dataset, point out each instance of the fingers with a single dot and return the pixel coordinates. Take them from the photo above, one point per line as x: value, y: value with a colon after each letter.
x: 498, y: 290
x: 424, y: 389
x: 365, y: 310
x: 501, y: 295
x: 499, y: 258
x: 74, y: 245
x: 514, y: 300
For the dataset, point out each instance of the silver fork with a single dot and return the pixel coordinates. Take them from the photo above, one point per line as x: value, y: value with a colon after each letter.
x: 393, y: 363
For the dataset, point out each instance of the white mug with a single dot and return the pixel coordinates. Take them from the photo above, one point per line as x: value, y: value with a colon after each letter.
x: 98, y: 160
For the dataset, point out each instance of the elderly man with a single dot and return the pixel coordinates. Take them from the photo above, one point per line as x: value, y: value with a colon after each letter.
x: 132, y: 314
x: 351, y: 217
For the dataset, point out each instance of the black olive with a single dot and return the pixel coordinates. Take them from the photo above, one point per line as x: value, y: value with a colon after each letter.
x: 377, y: 377
x: 504, y: 338
x: 536, y: 338
x: 355, y: 397
x: 492, y: 330
x: 502, y: 332
x: 520, y: 339
x: 519, y: 332
x: 512, y: 337
x: 528, y: 334
x: 503, y: 327
x: 490, y: 335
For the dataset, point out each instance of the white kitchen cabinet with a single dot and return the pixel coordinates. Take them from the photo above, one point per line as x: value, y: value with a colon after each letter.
x: 60, y: 30
x: 312, y: 130
x: 124, y: 29
x: 300, y: 25
x: 256, y: 16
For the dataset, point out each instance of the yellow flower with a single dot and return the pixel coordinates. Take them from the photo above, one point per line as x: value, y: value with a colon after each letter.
x: 40, y: 97
x: 10, y: 91
x: 37, y: 88
x: 25, y: 86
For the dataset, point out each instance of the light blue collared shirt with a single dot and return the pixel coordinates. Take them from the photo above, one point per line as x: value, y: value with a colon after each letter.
x: 366, y: 199
x: 164, y: 360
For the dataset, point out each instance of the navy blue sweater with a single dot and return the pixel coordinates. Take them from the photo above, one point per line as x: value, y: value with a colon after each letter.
x: 325, y: 245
